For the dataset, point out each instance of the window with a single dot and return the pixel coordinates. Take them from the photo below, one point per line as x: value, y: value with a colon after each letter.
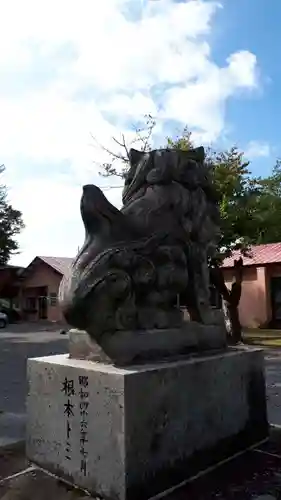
x: 31, y: 303
x: 53, y: 299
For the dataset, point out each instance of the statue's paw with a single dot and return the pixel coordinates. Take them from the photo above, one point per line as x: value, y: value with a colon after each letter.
x: 151, y: 318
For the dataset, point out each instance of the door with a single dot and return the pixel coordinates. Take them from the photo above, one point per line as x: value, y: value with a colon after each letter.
x: 42, y: 308
x: 276, y: 300
x: 43, y: 303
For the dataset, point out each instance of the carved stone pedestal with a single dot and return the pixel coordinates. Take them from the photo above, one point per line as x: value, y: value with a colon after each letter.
x: 130, y: 433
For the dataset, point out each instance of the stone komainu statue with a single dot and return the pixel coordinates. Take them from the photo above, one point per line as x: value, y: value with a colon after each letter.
x: 137, y: 260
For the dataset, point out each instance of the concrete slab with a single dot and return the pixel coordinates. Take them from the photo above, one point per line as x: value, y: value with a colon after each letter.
x: 36, y: 485
x: 12, y: 428
x: 132, y: 433
x: 12, y: 460
x: 254, y: 475
x: 6, y: 441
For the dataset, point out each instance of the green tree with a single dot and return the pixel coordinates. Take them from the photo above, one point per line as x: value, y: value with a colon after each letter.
x: 118, y: 163
x: 11, y: 224
x: 265, y: 208
x: 242, y: 198
x: 236, y: 191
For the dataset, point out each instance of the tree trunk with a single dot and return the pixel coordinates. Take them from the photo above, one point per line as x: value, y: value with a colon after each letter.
x: 231, y: 298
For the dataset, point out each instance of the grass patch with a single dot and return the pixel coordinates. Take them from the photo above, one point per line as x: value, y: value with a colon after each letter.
x: 262, y: 337
x: 265, y: 343
x: 262, y: 334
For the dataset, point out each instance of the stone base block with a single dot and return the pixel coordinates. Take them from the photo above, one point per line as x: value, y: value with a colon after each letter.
x: 130, y: 433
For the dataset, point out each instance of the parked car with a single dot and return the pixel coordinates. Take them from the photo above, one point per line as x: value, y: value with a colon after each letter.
x: 3, y: 320
x: 10, y: 310
x: 12, y: 314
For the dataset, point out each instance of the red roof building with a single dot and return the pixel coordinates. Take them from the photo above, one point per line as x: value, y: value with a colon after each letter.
x: 259, y: 255
x: 260, y: 303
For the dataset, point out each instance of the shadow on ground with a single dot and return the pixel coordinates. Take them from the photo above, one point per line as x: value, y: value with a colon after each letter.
x: 255, y: 475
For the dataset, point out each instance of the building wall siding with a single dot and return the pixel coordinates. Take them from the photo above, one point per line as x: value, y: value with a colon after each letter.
x: 255, y: 308
x: 252, y: 307
x: 274, y: 270
x: 42, y: 276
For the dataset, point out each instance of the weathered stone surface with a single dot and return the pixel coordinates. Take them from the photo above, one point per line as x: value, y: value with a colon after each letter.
x: 129, y: 348
x: 136, y: 261
x: 148, y: 427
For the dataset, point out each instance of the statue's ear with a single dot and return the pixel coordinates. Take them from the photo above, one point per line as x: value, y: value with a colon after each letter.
x: 200, y: 153
x: 135, y: 156
x: 197, y: 154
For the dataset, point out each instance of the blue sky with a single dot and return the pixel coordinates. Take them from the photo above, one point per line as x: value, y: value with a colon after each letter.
x: 70, y: 69
x: 253, y: 25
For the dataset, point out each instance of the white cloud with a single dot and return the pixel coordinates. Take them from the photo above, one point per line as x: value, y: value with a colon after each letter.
x: 201, y: 104
x: 241, y: 70
x: 257, y: 149
x: 135, y: 106
x: 54, y: 222
x: 68, y: 67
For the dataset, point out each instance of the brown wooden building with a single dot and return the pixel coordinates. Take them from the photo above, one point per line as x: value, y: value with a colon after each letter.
x: 34, y: 290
